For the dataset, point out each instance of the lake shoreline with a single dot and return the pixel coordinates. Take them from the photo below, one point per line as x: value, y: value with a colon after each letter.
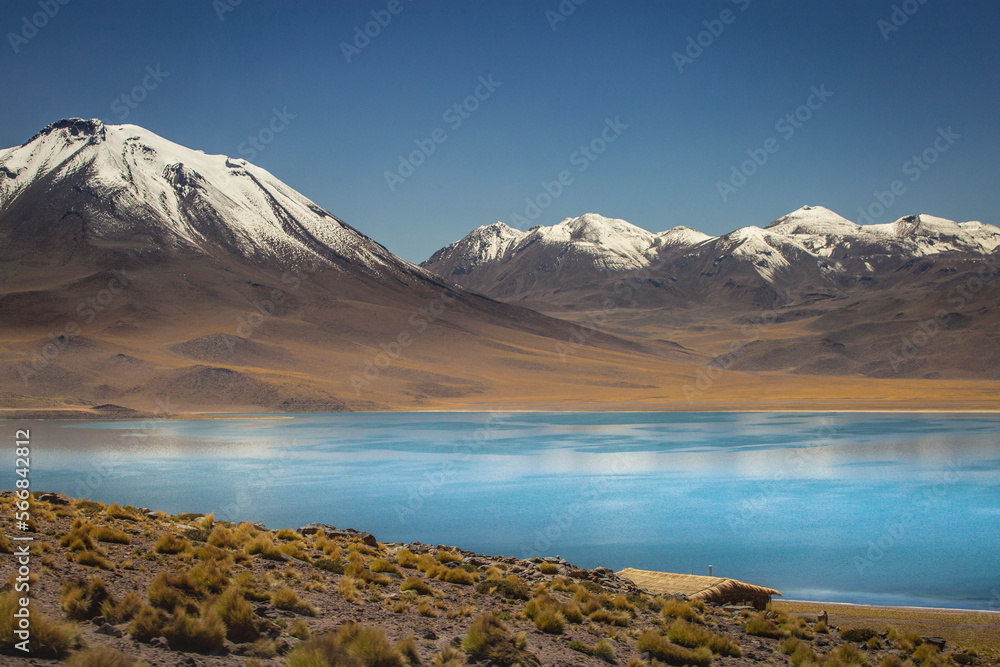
x: 61, y: 414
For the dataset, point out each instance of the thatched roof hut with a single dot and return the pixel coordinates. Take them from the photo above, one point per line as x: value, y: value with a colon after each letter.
x: 718, y: 590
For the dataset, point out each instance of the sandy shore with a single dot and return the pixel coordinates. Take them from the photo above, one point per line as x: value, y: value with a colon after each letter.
x: 979, y: 630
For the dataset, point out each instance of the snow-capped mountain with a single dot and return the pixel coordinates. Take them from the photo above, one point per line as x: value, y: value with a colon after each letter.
x: 812, y: 246
x: 123, y: 186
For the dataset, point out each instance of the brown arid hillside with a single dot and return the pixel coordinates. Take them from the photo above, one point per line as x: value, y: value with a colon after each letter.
x: 123, y: 586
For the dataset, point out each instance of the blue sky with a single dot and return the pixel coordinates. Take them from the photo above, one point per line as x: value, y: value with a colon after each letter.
x: 678, y: 133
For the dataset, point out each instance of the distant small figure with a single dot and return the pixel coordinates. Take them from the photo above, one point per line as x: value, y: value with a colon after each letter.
x: 824, y: 617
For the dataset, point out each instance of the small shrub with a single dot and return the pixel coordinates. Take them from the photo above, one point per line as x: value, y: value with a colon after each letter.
x: 210, y: 576
x: 382, y: 565
x: 444, y: 556
x: 329, y: 564
x: 110, y: 535
x: 458, y: 576
x: 171, y: 544
x: 449, y: 656
x: 287, y: 598
x: 550, y: 620
x: 207, y: 522
x: 406, y: 558
x: 237, y: 614
x: 674, y: 608
x: 187, y: 632
x: 548, y: 568
x: 222, y: 538
x: 266, y: 547
x: 821, y: 627
x: 891, y: 660
x: 348, y: 589
x: 353, y: 645
x: 619, y: 618
x: 417, y: 585
x: 763, y: 627
x: 847, y: 654
x: 93, y: 559
x: 489, y: 639
x: 100, y: 656
x: 170, y: 590
x: 127, y: 513
x: 857, y: 634
x: 122, y: 611
x: 288, y: 535
x: 426, y: 609
x: 148, y: 623
x: 82, y: 600
x: 692, y: 636
x: 512, y: 587
x: 663, y: 649
x: 300, y: 630
x: 604, y: 650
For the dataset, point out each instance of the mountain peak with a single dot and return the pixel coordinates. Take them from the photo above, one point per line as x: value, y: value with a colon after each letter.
x: 75, y: 128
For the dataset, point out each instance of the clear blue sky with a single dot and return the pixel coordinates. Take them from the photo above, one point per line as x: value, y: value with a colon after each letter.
x: 684, y: 131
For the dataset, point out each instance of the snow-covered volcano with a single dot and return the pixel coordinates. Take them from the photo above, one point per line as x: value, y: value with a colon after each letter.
x: 87, y: 185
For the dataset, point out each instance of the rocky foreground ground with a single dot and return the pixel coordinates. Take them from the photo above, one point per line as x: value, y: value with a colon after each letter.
x: 118, y: 586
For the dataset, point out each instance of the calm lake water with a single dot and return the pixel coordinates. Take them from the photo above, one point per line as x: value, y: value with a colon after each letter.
x: 868, y: 508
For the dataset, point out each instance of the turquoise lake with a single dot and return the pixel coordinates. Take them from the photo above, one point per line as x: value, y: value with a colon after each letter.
x: 849, y: 507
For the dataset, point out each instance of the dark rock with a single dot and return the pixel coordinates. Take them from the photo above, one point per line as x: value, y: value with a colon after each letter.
x: 579, y: 574
x: 53, y: 498
x: 425, y: 633
x: 313, y: 528
x: 935, y: 641
x: 160, y: 642
x: 110, y: 630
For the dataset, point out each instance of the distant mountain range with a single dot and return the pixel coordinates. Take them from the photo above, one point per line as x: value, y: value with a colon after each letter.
x: 810, y: 249
x: 858, y: 295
